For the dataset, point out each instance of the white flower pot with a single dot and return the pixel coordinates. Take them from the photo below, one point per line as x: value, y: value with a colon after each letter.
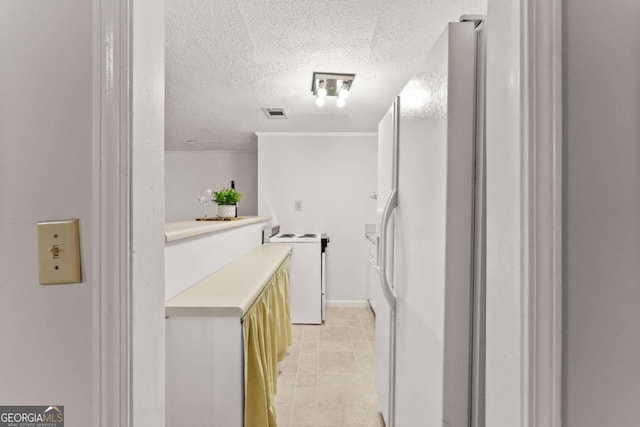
x: 226, y: 211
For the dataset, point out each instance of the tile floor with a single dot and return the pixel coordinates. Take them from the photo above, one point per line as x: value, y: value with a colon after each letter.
x: 327, y: 378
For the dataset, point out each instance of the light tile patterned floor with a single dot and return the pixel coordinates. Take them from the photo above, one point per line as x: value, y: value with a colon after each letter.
x: 327, y: 378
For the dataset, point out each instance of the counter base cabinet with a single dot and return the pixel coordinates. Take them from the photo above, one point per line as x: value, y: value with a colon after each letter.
x: 225, y: 336
x: 205, y: 379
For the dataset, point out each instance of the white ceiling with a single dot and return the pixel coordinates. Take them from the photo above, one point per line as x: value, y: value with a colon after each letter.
x: 226, y: 59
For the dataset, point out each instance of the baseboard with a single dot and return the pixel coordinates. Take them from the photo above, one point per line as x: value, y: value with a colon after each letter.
x: 348, y: 303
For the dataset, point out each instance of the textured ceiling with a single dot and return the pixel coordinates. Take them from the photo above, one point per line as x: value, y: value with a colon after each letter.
x: 226, y: 59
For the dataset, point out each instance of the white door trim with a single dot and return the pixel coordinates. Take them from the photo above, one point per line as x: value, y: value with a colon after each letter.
x: 542, y: 210
x: 111, y: 184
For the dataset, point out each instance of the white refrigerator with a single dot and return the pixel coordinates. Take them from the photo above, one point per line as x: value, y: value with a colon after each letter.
x: 429, y: 321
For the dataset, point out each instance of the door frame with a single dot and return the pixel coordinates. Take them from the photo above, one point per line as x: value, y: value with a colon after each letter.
x: 524, y: 206
x: 128, y: 212
x: 111, y: 212
x: 539, y: 216
x: 543, y: 200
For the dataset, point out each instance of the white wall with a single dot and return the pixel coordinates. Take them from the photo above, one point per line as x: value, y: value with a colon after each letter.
x: 147, y: 219
x: 46, y: 112
x: 332, y: 175
x: 188, y: 172
x: 602, y: 216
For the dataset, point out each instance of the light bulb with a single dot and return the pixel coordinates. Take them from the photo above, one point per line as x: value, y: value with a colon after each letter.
x: 344, y: 92
x: 341, y: 102
x: 322, y: 90
x: 319, y: 101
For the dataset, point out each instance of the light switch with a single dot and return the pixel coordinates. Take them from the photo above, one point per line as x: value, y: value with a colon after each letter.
x: 59, y: 252
x: 298, y: 205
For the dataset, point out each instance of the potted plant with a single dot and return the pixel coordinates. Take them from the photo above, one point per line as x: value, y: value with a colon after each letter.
x: 226, y: 199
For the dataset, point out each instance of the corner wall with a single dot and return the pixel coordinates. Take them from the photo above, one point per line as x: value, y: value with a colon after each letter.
x: 332, y: 175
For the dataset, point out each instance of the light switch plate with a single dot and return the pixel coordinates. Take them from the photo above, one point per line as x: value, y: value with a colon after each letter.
x: 59, y: 252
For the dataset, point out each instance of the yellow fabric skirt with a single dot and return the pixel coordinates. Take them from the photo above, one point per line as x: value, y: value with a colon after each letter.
x: 267, y: 334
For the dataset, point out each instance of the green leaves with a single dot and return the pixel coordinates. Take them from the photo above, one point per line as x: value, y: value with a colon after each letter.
x: 226, y: 196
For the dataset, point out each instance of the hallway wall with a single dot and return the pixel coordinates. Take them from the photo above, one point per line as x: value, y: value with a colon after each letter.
x: 46, y: 131
x: 602, y: 213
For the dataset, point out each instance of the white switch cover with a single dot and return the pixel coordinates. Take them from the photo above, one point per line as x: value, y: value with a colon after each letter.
x: 298, y: 205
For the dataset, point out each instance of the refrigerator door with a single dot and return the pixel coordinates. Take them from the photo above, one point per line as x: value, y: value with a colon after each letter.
x: 433, y: 260
x: 385, y: 160
x: 387, y: 186
x: 385, y: 289
x: 382, y: 351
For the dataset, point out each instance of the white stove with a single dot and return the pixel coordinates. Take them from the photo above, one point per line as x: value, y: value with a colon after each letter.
x: 296, y: 238
x: 307, y: 284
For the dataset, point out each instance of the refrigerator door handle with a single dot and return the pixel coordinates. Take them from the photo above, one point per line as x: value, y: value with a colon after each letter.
x: 390, y: 206
x: 389, y: 296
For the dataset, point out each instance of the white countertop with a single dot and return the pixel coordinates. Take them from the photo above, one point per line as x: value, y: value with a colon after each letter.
x: 231, y: 290
x: 185, y: 229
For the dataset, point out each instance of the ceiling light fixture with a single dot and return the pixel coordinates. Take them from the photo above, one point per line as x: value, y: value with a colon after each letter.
x: 331, y: 84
